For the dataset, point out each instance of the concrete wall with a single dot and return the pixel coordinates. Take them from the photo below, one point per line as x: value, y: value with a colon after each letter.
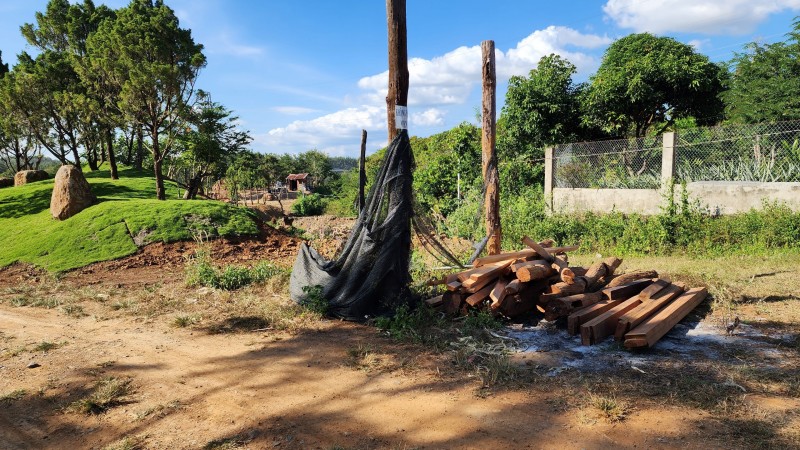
x: 644, y: 201
x: 720, y: 197
x: 730, y: 197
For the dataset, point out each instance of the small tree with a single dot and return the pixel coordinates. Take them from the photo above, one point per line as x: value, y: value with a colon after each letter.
x: 211, y: 142
x: 153, y: 63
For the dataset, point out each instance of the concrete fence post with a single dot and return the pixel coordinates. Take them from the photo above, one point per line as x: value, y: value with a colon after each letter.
x: 549, y: 177
x: 667, y: 160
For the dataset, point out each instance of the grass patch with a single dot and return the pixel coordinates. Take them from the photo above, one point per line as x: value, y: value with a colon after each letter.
x: 608, y: 408
x: 107, y: 393
x: 75, y: 311
x: 126, y: 209
x: 13, y: 396
x: 184, y: 321
x: 201, y: 271
x: 46, y: 346
x: 128, y: 443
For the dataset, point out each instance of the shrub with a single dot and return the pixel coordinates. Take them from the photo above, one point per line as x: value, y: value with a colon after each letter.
x: 309, y: 205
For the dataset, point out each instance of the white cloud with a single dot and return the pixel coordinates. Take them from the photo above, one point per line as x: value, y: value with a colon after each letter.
x: 435, y: 85
x: 696, y: 16
x: 329, y: 133
x: 225, y: 44
x: 427, y: 118
x: 450, y: 78
x: 294, y: 110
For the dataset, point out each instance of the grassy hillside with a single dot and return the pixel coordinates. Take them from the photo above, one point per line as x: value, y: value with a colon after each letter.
x: 126, y: 209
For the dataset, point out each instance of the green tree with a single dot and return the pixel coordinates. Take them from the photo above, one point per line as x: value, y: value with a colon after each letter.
x: 153, y: 63
x: 317, y: 165
x: 541, y: 109
x: 646, y: 81
x: 765, y: 81
x: 211, y: 142
x: 60, y: 34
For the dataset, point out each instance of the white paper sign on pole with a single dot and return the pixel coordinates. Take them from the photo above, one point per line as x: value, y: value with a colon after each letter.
x: 401, y: 117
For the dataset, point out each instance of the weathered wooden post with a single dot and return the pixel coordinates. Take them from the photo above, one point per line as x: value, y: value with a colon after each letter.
x: 397, y: 97
x: 362, y: 174
x: 491, y: 177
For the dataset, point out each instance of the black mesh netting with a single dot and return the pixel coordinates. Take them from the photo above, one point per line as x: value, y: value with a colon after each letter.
x: 370, y: 276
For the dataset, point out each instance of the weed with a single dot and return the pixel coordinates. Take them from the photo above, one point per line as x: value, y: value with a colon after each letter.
x: 227, y: 443
x: 107, y: 394
x: 22, y: 300
x: 315, y: 300
x: 128, y: 443
x: 184, y: 321
x: 13, y: 396
x: 201, y: 272
x: 75, y: 311
x: 421, y: 325
x: 48, y: 303
x: 122, y: 304
x: 364, y: 357
x: 46, y: 346
x: 609, y: 408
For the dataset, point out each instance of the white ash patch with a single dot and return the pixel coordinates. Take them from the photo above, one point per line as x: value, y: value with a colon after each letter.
x: 690, y: 340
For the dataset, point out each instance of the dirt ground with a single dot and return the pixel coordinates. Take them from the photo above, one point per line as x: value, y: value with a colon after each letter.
x: 213, y: 369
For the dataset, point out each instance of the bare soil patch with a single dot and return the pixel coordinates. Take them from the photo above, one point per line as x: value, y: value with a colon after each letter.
x: 247, y: 369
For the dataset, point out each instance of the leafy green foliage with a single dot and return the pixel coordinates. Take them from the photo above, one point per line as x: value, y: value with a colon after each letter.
x: 202, y: 272
x: 309, y: 205
x: 646, y: 81
x: 764, y: 84
x: 105, y: 231
x: 315, y: 300
x: 540, y: 110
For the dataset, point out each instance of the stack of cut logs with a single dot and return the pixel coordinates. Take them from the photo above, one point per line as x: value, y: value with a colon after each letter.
x: 637, y: 308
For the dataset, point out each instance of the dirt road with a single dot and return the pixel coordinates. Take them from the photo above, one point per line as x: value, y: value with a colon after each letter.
x: 276, y: 390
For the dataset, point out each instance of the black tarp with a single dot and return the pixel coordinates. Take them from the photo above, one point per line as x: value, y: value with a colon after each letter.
x: 370, y: 276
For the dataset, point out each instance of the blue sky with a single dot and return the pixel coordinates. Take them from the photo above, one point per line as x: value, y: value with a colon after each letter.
x: 312, y: 74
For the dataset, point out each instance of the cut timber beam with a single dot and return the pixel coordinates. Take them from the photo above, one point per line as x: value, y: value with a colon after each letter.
x: 581, y: 316
x: 629, y: 277
x: 435, y: 301
x: 451, y: 302
x: 534, y: 272
x: 648, y: 292
x: 520, y: 254
x: 604, y: 325
x: 478, y: 297
x: 453, y: 286
x: 626, y: 290
x: 498, y: 294
x: 654, y: 328
x: 634, y: 317
x: 565, y: 306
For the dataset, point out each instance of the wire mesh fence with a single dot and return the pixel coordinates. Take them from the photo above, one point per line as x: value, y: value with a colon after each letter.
x: 615, y: 164
x: 768, y: 152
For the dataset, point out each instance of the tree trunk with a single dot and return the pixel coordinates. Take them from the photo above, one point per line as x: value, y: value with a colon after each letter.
x: 112, y: 160
x: 491, y: 177
x: 139, y: 148
x: 78, y: 159
x: 160, y: 193
x: 193, y: 187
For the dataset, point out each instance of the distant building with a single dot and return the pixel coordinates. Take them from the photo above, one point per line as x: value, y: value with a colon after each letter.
x: 298, y: 182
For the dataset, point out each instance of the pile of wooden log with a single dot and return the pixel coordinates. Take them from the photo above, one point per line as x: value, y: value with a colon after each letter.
x: 637, y: 308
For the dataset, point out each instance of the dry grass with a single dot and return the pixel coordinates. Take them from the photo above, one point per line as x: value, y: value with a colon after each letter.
x: 609, y: 408
x: 107, y: 393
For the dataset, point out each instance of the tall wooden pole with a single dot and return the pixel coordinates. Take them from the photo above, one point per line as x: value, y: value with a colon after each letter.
x: 398, y: 62
x: 362, y: 174
x: 491, y: 177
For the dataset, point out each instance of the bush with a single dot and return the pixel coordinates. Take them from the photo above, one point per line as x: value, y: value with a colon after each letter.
x: 309, y: 205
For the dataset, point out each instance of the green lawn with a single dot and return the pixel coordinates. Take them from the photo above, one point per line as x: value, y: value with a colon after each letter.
x: 105, y: 231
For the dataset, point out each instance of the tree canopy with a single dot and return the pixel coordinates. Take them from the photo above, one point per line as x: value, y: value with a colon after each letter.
x: 646, y: 81
x: 765, y: 81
